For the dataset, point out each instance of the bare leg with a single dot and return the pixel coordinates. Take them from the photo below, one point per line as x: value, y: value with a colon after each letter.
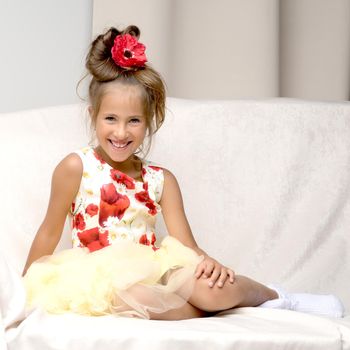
x: 205, y: 300
x: 243, y: 292
x: 185, y: 312
x: 145, y: 297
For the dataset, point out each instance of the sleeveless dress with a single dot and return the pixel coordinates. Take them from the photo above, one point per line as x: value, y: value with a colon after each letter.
x: 114, y: 266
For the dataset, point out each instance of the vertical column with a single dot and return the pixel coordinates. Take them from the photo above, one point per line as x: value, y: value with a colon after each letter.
x: 224, y: 49
x: 205, y: 49
x: 315, y: 49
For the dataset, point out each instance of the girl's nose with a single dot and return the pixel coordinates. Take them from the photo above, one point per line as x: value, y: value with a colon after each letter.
x: 121, y: 132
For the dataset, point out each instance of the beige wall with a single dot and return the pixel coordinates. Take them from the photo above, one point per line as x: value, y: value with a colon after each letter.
x: 315, y: 49
x: 151, y: 16
x: 43, y: 48
x: 226, y: 48
x: 241, y: 48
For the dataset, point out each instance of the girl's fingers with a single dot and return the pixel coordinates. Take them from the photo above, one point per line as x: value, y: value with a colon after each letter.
x: 231, y: 275
x: 223, y: 277
x: 217, y: 273
x: 199, y: 271
x: 210, y: 266
x: 214, y: 277
x: 220, y: 276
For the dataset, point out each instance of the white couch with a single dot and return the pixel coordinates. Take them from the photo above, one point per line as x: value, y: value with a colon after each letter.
x: 266, y: 186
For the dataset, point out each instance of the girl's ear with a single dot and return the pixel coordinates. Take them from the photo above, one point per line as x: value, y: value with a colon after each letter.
x: 90, y: 110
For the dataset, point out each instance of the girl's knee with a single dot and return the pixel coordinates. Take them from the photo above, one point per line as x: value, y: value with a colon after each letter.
x: 212, y: 299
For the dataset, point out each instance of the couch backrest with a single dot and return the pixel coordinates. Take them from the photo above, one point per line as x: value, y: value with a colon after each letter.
x: 32, y: 143
x: 266, y: 184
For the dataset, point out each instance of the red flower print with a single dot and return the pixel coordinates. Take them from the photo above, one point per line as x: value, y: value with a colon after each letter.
x: 153, y: 238
x: 157, y: 168
x: 103, y: 238
x: 145, y: 241
x: 78, y: 222
x: 109, y: 193
x: 73, y: 207
x: 91, y: 209
x: 143, y: 172
x: 88, y: 236
x: 122, y: 178
x: 143, y: 197
x: 98, y: 157
x: 128, y: 52
x: 152, y: 208
x: 112, y: 203
x: 95, y: 245
x: 93, y: 239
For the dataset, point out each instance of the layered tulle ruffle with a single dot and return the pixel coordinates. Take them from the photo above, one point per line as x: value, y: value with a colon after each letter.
x: 125, y: 278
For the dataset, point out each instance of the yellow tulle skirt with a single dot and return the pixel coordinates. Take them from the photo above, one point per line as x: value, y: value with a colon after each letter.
x: 125, y: 278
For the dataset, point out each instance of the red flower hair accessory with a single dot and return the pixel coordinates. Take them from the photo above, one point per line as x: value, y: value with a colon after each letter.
x: 127, y: 52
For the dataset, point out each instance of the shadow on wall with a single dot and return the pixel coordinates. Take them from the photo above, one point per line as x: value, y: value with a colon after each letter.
x: 242, y: 49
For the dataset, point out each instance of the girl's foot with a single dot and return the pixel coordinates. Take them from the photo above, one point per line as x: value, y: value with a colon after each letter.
x: 318, y: 304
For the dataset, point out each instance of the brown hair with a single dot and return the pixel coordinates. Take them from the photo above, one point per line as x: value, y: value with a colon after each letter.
x: 105, y: 71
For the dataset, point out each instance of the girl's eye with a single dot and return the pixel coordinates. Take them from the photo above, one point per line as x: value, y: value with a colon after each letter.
x: 135, y: 120
x: 110, y: 118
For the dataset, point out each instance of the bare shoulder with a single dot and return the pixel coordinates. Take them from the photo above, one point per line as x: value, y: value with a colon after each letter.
x: 67, y: 174
x: 169, y: 178
x: 171, y: 190
x: 167, y: 173
x: 71, y: 165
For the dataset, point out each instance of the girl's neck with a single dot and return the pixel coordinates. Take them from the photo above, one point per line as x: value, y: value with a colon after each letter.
x: 132, y: 166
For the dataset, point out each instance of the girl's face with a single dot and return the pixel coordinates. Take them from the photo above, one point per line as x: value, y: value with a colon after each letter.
x: 120, y: 123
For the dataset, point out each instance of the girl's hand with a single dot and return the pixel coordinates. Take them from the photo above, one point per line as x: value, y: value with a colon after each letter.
x: 217, y: 273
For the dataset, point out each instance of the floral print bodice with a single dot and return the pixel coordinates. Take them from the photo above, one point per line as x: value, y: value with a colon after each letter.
x: 111, y: 206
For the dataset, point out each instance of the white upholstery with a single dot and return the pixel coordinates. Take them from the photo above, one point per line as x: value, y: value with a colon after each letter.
x: 266, y: 186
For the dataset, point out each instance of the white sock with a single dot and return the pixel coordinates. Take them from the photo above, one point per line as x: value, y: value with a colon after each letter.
x: 317, y: 304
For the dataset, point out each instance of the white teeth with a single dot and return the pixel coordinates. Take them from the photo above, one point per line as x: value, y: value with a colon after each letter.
x: 119, y: 145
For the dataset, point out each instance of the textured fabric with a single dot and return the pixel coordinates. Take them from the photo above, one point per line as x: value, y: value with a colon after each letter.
x: 115, y: 266
x: 12, y: 300
x: 111, y: 206
x: 265, y: 186
x: 125, y: 279
x: 242, y: 329
x: 270, y: 179
x: 12, y: 295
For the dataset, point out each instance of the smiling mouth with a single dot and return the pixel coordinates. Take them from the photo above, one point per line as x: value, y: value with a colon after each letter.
x: 119, y: 145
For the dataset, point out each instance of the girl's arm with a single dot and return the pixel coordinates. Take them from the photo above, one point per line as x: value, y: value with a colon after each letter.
x: 64, y: 187
x: 178, y: 227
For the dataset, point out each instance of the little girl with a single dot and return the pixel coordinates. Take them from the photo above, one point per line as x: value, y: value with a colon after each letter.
x: 113, y: 196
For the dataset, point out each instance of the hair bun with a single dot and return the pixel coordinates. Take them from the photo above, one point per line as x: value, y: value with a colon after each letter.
x: 132, y: 30
x: 99, y: 60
